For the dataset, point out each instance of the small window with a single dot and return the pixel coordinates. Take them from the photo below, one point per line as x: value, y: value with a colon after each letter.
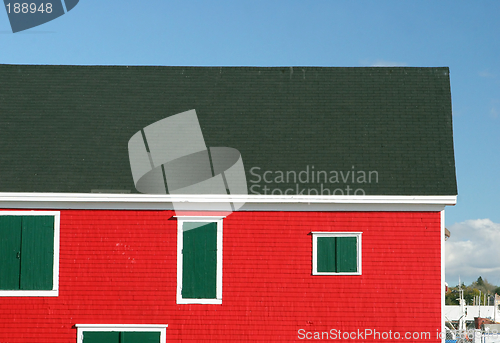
x: 199, y: 260
x: 121, y: 333
x: 29, y: 253
x: 336, y: 253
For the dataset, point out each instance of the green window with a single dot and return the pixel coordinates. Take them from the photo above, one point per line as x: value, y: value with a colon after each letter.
x: 199, y: 260
x: 26, y: 252
x: 336, y: 253
x: 121, y: 337
x: 199, y: 264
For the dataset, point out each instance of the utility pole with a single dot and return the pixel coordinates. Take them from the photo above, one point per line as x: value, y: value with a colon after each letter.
x: 461, y: 320
x: 495, y: 305
x: 479, y: 315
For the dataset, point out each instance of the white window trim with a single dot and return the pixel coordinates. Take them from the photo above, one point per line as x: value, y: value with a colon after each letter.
x: 315, y: 236
x: 180, y: 222
x: 54, y: 292
x: 81, y: 328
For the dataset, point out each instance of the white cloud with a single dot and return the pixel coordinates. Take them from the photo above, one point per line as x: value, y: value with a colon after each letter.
x: 382, y: 63
x: 472, y: 251
x: 494, y: 109
x: 487, y: 74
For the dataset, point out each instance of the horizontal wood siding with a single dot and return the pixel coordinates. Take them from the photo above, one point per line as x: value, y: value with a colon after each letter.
x: 120, y: 267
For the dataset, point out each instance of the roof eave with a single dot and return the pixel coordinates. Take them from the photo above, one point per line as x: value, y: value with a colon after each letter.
x: 252, y: 202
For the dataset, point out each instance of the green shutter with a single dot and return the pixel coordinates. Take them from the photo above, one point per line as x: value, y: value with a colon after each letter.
x: 37, y: 253
x: 347, y: 255
x: 337, y: 255
x: 120, y: 337
x: 139, y: 337
x: 199, y: 261
x: 10, y: 252
x: 101, y: 337
x: 326, y: 254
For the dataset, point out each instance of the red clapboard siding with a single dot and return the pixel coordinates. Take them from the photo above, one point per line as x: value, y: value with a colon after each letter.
x: 120, y: 267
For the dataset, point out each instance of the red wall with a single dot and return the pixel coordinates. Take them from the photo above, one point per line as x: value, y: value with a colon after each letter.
x: 120, y: 267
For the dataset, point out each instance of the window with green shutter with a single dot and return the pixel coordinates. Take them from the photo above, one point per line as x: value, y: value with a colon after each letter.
x: 199, y: 264
x: 28, y: 253
x: 336, y: 253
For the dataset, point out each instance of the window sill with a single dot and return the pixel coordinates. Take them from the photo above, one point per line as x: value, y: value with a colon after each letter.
x: 22, y: 293
x: 200, y: 301
x: 327, y: 273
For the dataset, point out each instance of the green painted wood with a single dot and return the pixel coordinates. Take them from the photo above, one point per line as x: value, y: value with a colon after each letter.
x: 37, y: 253
x: 139, y: 337
x: 346, y: 255
x: 326, y: 254
x: 199, y: 261
x: 121, y: 337
x: 101, y: 337
x: 10, y: 247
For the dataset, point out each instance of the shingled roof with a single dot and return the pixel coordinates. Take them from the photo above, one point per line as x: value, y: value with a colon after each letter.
x: 66, y: 128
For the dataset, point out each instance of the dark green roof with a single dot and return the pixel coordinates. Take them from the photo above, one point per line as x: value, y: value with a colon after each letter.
x: 66, y: 128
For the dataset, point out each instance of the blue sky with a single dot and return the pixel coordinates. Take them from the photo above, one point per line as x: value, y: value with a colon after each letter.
x: 463, y: 35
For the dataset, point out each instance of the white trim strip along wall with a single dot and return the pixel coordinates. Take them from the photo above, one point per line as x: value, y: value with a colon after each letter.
x: 252, y: 202
x: 81, y: 328
x: 443, y: 287
x: 54, y: 292
x: 181, y: 220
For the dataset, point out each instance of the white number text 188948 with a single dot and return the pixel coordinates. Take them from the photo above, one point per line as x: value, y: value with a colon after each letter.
x: 29, y: 8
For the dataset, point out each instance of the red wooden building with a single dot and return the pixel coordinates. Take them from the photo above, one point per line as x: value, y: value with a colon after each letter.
x: 339, y: 234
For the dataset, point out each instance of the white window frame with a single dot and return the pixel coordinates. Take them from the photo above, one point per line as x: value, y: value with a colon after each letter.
x: 81, y: 328
x: 212, y: 219
x: 54, y: 292
x: 315, y: 236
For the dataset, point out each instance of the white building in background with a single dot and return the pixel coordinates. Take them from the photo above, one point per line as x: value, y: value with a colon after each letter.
x: 453, y: 313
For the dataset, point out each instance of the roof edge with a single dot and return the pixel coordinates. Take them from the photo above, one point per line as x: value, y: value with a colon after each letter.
x: 252, y: 202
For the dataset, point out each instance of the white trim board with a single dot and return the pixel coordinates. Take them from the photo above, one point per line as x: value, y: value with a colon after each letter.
x: 252, y: 202
x: 54, y: 292
x: 443, y: 286
x: 81, y: 328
